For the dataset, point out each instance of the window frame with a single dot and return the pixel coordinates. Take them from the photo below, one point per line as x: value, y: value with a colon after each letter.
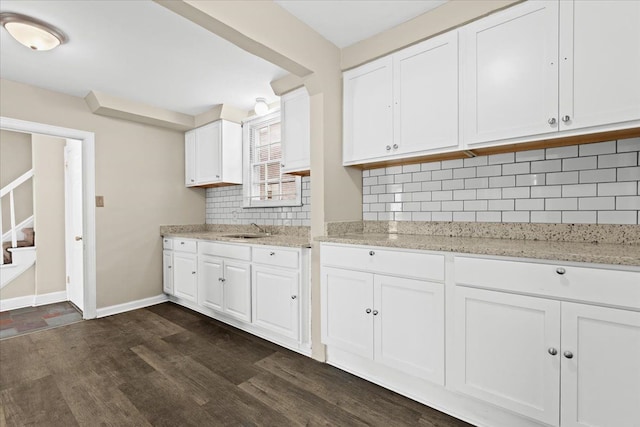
x: 248, y: 202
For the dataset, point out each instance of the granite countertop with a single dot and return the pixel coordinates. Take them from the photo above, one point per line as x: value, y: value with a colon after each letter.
x: 599, y: 253
x: 293, y: 237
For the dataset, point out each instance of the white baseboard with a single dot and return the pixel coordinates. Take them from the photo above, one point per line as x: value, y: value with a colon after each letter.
x: 32, y: 300
x: 132, y: 305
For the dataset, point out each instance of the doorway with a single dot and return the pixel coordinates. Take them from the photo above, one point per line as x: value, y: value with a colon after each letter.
x: 73, y: 221
x: 84, y: 164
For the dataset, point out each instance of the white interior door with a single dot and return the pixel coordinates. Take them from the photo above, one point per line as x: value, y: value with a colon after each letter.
x: 73, y: 222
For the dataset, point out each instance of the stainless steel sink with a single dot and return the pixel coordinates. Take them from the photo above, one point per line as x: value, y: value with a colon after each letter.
x: 246, y: 235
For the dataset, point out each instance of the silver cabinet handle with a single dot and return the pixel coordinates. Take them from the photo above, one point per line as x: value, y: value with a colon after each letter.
x: 193, y: 272
x: 217, y: 176
x: 372, y: 253
x: 222, y: 279
x: 568, y: 355
x: 192, y: 180
x: 388, y: 147
x: 375, y: 312
x: 168, y: 266
x: 294, y: 296
x: 552, y: 121
x: 281, y: 165
x: 566, y: 118
x: 560, y: 270
x: 395, y: 146
x: 182, y: 243
x: 272, y: 253
x: 552, y: 351
x: 368, y: 310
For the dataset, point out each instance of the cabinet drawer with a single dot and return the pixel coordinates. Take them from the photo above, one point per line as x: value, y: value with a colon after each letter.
x: 183, y: 245
x: 167, y: 243
x: 594, y: 285
x: 276, y: 256
x: 375, y: 260
x: 242, y: 252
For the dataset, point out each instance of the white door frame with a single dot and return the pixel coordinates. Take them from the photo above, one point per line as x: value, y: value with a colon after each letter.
x: 88, y: 194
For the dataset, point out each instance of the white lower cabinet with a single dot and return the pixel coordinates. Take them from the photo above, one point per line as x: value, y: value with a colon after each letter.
x: 557, y: 362
x: 395, y: 321
x: 225, y: 286
x: 167, y: 272
x: 184, y: 276
x: 276, y: 300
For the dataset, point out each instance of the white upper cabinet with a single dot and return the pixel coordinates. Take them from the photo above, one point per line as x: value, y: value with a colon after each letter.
x: 599, y: 63
x: 510, y: 73
x: 368, y: 117
x: 296, y: 132
x: 213, y: 155
x: 403, y: 104
x: 425, y: 92
x: 543, y: 67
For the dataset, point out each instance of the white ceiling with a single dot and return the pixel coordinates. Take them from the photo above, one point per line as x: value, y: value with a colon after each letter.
x: 345, y: 22
x: 141, y: 51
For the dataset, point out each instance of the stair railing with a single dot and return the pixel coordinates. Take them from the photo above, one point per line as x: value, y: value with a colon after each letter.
x: 8, y: 189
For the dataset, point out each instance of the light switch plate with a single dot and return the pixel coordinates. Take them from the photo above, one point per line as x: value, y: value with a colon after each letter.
x: 100, y: 201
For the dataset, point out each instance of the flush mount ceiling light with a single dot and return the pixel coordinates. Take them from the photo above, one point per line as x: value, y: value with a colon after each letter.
x: 261, y: 106
x: 31, y: 32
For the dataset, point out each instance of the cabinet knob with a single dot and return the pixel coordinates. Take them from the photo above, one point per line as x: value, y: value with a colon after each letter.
x: 222, y: 279
x: 193, y: 272
x: 375, y: 312
x: 552, y: 351
x: 560, y: 270
x: 388, y: 148
x: 281, y: 165
x: 169, y: 266
x: 272, y: 253
x: 192, y: 180
x: 372, y: 253
x: 395, y: 146
x: 217, y: 176
x: 568, y: 355
x: 294, y: 296
x: 552, y: 121
x: 182, y: 243
x: 566, y: 119
x: 368, y: 310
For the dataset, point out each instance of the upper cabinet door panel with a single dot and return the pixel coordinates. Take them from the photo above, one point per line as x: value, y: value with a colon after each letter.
x: 425, y: 81
x: 599, y: 63
x: 190, y: 158
x: 510, y: 80
x: 368, y: 117
x: 296, y: 131
x: 208, y: 153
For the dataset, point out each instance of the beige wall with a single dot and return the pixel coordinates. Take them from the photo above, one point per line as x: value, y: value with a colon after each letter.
x: 15, y: 159
x: 48, y: 180
x: 140, y: 173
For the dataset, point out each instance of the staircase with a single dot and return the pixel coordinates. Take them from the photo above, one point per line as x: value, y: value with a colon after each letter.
x: 18, y: 243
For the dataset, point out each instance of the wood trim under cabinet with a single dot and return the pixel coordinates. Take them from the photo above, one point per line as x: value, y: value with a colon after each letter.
x: 507, y: 148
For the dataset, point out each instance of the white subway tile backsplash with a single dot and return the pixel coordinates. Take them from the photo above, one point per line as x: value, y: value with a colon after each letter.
x: 564, y: 184
x: 608, y: 147
x: 618, y: 160
x: 579, y: 163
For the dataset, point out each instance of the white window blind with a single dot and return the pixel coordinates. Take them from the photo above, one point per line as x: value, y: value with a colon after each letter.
x: 265, y: 184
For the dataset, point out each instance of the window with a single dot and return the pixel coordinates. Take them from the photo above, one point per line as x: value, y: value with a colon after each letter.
x: 264, y: 183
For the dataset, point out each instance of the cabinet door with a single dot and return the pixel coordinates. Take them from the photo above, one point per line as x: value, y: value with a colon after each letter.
x: 510, y: 73
x: 368, y: 117
x: 237, y: 290
x: 190, y: 158
x: 347, y: 306
x: 167, y: 272
x: 501, y: 352
x: 275, y: 300
x: 296, y: 131
x: 425, y: 87
x: 601, y: 382
x: 409, y: 326
x: 210, y: 282
x: 184, y: 276
x: 599, y: 62
x: 208, y: 159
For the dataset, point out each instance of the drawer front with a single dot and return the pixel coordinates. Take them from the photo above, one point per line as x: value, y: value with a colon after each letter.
x: 183, y: 245
x: 419, y: 265
x: 587, y: 284
x: 275, y: 256
x: 241, y: 252
x: 167, y: 243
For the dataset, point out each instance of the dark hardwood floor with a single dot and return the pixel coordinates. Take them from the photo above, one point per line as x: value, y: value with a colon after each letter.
x: 168, y: 366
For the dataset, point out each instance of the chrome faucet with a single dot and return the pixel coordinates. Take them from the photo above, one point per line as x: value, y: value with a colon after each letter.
x: 262, y: 230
